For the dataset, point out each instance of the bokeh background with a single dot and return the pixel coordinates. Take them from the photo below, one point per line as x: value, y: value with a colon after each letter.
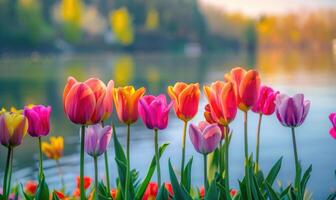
x: 154, y: 43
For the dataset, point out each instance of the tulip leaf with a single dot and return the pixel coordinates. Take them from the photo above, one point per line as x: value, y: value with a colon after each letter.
x: 186, y: 179
x: 212, y: 192
x: 242, y: 187
x: 27, y: 196
x: 103, y: 193
x: 272, y: 194
x: 273, y: 173
x: 42, y: 192
x: 163, y: 193
x: 179, y: 193
x: 305, y: 179
x: 285, y: 191
x: 54, y: 196
x: 140, y: 191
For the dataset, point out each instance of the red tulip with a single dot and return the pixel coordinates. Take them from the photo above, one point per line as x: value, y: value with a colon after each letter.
x: 266, y: 102
x: 247, y: 85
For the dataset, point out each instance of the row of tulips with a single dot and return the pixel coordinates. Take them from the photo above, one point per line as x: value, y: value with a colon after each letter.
x: 89, y: 104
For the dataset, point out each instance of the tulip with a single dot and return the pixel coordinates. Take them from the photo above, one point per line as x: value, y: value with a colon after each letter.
x: 126, y: 102
x: 291, y: 112
x: 96, y: 141
x: 30, y: 188
x: 152, y: 191
x: 265, y: 105
x: 154, y: 112
x: 186, y: 99
x: 54, y: 150
x: 223, y: 109
x: 332, y: 130
x: 114, y: 193
x: 13, y: 127
x: 205, y: 137
x: 87, y: 103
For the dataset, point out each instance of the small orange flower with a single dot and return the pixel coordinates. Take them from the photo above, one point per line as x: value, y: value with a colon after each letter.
x: 60, y: 195
x: 87, y: 182
x: 114, y: 193
x: 54, y: 149
x: 126, y: 103
x: 30, y: 188
x: 247, y: 85
x: 186, y: 99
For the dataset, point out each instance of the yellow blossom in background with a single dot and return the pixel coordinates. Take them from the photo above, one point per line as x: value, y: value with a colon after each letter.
x: 152, y: 20
x: 123, y: 70
x: 122, y: 26
x: 2, y: 111
x: 54, y: 149
x: 71, y: 11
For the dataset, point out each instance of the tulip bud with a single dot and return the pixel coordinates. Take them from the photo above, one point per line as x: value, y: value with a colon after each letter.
x: 97, y: 139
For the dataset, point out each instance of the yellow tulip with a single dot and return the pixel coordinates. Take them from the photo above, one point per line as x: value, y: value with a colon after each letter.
x: 54, y: 149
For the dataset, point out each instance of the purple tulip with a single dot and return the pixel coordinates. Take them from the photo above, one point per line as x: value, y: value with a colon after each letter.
x: 96, y: 139
x: 291, y: 111
x: 39, y: 120
x: 13, y: 127
x: 266, y: 102
x: 205, y: 137
x: 154, y: 111
x: 332, y: 131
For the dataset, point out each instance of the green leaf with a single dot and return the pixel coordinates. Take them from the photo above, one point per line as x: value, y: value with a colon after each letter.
x: 54, y: 196
x: 186, y: 179
x: 103, y: 193
x: 141, y: 190
x: 273, y: 173
x: 242, y: 186
x: 179, y: 193
x: 305, y: 179
x: 27, y: 196
x: 256, y: 190
x: 272, y: 194
x: 212, y: 192
x: 42, y: 192
x: 285, y: 192
x: 163, y: 193
x: 332, y: 196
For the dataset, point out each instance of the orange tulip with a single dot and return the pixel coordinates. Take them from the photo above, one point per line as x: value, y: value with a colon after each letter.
x: 126, y: 102
x: 88, y: 102
x: 186, y: 99
x: 222, y: 102
x: 247, y: 85
x: 54, y: 149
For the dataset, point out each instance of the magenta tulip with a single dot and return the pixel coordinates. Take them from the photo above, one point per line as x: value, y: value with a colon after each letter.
x: 291, y: 111
x: 266, y: 102
x: 332, y: 131
x: 96, y: 139
x: 205, y: 137
x: 39, y: 120
x: 154, y: 111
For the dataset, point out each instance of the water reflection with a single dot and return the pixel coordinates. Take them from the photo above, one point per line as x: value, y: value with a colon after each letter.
x: 41, y: 80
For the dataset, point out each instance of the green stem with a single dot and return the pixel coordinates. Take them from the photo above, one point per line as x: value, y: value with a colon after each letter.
x: 82, y: 189
x: 41, y: 159
x: 107, y: 173
x: 247, y: 163
x: 220, y: 158
x: 295, y: 154
x: 96, y: 177
x: 227, y: 143
x: 7, y: 171
x: 128, y: 161
x: 258, y: 144
x: 10, y: 171
x: 205, y: 169
x: 157, y: 156
x: 183, y: 147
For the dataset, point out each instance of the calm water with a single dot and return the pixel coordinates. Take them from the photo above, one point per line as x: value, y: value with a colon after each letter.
x: 40, y: 79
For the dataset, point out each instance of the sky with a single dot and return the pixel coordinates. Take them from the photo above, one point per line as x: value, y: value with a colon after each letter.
x: 259, y: 7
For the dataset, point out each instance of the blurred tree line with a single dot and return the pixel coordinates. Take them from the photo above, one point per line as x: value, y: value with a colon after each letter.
x: 151, y: 25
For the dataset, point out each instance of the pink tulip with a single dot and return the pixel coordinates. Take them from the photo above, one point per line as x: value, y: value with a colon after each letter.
x: 332, y: 131
x: 266, y: 102
x: 96, y: 139
x: 205, y: 137
x: 154, y: 111
x: 39, y: 120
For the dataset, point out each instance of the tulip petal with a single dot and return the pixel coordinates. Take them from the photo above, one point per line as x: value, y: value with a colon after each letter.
x: 195, y: 137
x: 332, y: 132
x: 189, y: 100
x: 71, y: 82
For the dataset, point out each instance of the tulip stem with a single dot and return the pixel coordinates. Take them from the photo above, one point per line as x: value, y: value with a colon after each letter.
x: 247, y: 162
x: 295, y: 154
x: 183, y: 148
x: 226, y: 146
x: 220, y: 149
x: 206, y: 184
x: 41, y: 159
x: 128, y: 161
x: 107, y: 173
x: 96, y: 176
x: 82, y: 190
x: 157, y: 156
x: 256, y: 169
x: 6, y: 180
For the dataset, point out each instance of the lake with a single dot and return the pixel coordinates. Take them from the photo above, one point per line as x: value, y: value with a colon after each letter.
x: 40, y: 79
